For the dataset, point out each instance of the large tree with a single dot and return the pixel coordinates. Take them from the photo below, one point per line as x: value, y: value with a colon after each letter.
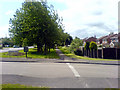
x: 37, y: 23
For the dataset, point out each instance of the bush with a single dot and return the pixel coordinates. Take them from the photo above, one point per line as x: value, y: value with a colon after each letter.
x: 87, y: 44
x: 78, y: 52
x: 76, y: 43
x: 93, y: 45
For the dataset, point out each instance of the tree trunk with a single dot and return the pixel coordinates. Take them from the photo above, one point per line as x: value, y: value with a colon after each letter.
x: 49, y: 50
x: 45, y: 50
x: 38, y: 47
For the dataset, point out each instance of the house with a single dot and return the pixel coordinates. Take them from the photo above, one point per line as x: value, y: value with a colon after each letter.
x: 99, y: 40
x: 111, y: 40
x: 91, y: 39
x: 119, y: 37
x: 114, y: 38
x: 108, y: 40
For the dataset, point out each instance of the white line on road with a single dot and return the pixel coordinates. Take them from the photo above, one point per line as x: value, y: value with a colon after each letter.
x: 77, y: 74
x: 73, y: 70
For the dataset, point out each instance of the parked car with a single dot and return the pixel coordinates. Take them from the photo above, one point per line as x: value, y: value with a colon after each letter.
x: 15, y: 46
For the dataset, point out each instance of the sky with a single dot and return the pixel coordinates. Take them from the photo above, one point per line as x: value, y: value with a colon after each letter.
x: 81, y: 18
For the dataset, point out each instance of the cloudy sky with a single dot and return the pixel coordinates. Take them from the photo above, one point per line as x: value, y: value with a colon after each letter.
x: 81, y: 18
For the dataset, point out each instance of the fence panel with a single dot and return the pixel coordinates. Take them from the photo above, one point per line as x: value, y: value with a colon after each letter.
x: 99, y: 53
x: 109, y: 53
x: 118, y: 53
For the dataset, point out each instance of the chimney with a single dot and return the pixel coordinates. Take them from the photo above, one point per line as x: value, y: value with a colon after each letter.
x: 94, y: 36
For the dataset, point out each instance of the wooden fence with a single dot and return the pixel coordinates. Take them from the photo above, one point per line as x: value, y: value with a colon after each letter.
x: 105, y: 53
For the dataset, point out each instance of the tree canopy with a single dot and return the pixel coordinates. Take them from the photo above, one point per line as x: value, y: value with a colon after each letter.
x: 37, y: 23
x: 76, y: 43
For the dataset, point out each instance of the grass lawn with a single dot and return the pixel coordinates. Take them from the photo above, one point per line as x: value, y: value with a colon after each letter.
x: 7, y: 47
x: 32, y: 54
x: 65, y: 50
x: 22, y: 87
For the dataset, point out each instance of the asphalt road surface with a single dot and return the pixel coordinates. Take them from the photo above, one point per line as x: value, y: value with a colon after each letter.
x: 60, y: 75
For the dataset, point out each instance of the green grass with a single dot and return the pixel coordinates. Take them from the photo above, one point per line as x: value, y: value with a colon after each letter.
x: 32, y: 54
x: 22, y: 86
x: 66, y: 51
x: 7, y: 47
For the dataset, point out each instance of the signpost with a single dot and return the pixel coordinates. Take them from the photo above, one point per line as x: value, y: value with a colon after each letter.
x: 26, y: 50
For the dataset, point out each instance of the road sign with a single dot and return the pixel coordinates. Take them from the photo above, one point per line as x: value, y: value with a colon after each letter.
x: 26, y: 50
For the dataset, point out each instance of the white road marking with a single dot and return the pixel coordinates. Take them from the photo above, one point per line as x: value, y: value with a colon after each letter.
x: 73, y: 70
x: 86, y: 86
x: 109, y: 83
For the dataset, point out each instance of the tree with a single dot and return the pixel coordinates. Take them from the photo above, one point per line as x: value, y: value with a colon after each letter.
x: 93, y: 48
x: 86, y: 46
x: 93, y: 45
x: 76, y: 43
x: 38, y: 23
x: 68, y: 40
x: 25, y: 42
x: 7, y: 41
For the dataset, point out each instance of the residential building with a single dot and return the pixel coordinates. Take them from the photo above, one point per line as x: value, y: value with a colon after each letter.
x: 108, y: 40
x: 119, y: 37
x: 99, y: 40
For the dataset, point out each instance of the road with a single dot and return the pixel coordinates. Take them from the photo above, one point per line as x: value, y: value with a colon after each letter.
x: 12, y: 49
x: 60, y: 75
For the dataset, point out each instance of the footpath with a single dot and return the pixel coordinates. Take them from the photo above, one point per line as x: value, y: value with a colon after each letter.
x: 63, y: 59
x: 74, y: 60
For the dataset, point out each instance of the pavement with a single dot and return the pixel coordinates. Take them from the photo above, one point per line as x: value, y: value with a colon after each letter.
x: 63, y: 59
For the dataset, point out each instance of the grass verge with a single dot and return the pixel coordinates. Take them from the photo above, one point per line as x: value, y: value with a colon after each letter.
x: 22, y: 87
x: 65, y: 50
x: 32, y: 54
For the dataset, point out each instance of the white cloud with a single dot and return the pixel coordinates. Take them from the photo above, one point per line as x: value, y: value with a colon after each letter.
x: 12, y: 0
x: 4, y: 31
x: 9, y: 12
x: 80, y: 13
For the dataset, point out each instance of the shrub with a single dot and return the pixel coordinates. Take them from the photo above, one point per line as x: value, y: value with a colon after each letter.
x: 76, y: 43
x: 93, y: 45
x: 78, y: 52
x: 87, y: 44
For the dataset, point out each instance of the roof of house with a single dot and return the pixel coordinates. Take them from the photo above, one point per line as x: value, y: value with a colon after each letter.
x: 91, y: 39
x: 85, y: 39
x: 109, y: 36
x: 115, y: 36
x: 102, y: 37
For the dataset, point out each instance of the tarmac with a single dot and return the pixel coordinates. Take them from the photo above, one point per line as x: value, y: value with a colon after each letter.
x: 63, y: 59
